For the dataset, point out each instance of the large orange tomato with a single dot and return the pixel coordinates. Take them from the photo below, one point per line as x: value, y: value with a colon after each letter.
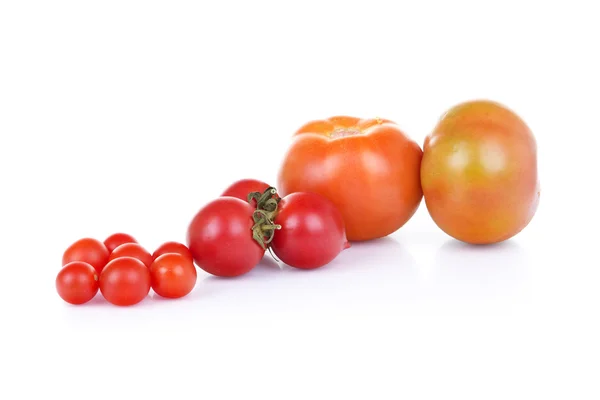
x: 479, y: 173
x: 367, y: 167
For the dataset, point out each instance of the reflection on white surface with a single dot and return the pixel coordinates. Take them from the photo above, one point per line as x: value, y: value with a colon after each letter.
x: 362, y: 279
x: 479, y: 274
x: 376, y: 278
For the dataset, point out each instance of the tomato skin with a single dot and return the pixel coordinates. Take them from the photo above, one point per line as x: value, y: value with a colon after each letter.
x: 220, y: 238
x: 173, y: 275
x: 88, y: 250
x: 173, y: 247
x: 117, y: 239
x: 312, y: 231
x: 134, y: 250
x: 125, y: 281
x: 243, y: 187
x: 479, y: 173
x: 367, y: 167
x: 77, y: 282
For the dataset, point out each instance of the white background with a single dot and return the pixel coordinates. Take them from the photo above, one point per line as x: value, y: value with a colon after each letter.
x: 129, y: 116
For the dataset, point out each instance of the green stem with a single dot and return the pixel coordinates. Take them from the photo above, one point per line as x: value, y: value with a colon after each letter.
x: 270, y: 227
x: 264, y: 228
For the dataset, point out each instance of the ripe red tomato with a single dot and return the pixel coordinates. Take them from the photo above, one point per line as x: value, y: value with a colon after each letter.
x: 134, y: 250
x: 312, y: 231
x: 173, y: 275
x: 368, y: 168
x: 117, y: 239
x: 479, y: 173
x: 88, y: 250
x: 242, y: 188
x: 173, y: 247
x: 125, y: 281
x: 77, y: 282
x: 220, y: 238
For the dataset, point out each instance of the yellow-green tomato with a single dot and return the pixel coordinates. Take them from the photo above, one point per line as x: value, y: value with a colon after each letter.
x: 479, y: 173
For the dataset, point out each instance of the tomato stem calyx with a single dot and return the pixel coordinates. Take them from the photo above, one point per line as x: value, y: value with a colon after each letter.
x: 264, y: 228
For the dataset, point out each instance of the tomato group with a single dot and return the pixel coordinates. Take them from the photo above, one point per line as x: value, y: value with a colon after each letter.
x: 173, y: 275
x: 77, y: 282
x: 125, y: 281
x: 312, y: 231
x: 220, y: 238
x: 479, y: 173
x: 169, y: 270
x: 134, y: 250
x: 342, y: 179
x: 117, y: 239
x: 368, y: 168
x: 88, y: 250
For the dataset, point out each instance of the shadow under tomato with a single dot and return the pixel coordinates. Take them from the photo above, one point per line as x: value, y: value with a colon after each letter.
x: 376, y: 272
x: 100, y: 304
x: 97, y: 301
x: 475, y: 273
x: 267, y: 264
x: 263, y: 273
x: 385, y: 255
x: 369, y: 277
x: 200, y: 291
x: 100, y: 301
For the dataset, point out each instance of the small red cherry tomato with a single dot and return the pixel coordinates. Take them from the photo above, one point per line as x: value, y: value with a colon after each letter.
x: 312, y: 231
x: 220, y: 238
x: 134, y: 250
x: 77, y: 282
x: 172, y: 247
x: 242, y: 188
x: 173, y: 275
x: 88, y: 250
x: 125, y: 281
x: 117, y: 239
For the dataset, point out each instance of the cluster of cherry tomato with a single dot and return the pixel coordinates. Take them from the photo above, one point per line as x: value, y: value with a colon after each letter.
x: 227, y: 237
x: 124, y: 271
x: 342, y: 179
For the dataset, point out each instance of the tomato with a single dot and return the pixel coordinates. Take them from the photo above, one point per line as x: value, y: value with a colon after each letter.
x: 88, y: 250
x: 173, y: 275
x: 220, y: 238
x: 242, y: 188
x: 367, y: 167
x: 172, y: 247
x: 117, y: 239
x: 479, y: 173
x: 77, y: 282
x: 134, y: 250
x: 125, y: 281
x: 312, y: 231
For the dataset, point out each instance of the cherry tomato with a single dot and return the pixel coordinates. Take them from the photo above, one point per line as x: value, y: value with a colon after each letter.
x: 134, y: 250
x: 242, y: 188
x: 117, y: 239
x: 368, y: 168
x: 479, y: 173
x: 173, y: 275
x: 88, y: 250
x: 172, y: 247
x: 312, y: 231
x: 125, y: 281
x: 77, y: 282
x: 220, y: 238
